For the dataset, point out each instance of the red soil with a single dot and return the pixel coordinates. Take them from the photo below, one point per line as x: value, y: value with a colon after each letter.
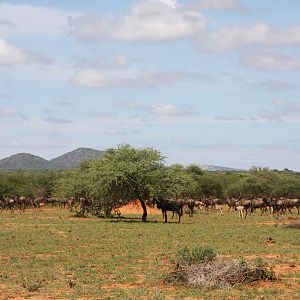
x: 135, y: 208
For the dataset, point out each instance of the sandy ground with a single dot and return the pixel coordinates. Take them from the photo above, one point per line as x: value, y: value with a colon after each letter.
x: 135, y: 208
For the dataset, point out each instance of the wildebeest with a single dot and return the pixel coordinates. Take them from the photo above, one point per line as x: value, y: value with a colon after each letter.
x: 292, y: 203
x: 191, y: 205
x: 246, y: 204
x: 71, y: 203
x: 84, y: 205
x: 240, y: 209
x: 168, y: 205
x: 259, y: 203
x: 231, y: 203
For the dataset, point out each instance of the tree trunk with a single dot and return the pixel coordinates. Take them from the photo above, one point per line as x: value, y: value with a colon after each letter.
x: 144, y: 217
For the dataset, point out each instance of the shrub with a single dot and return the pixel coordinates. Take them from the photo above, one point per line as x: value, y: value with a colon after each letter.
x: 189, y: 256
x: 199, y: 267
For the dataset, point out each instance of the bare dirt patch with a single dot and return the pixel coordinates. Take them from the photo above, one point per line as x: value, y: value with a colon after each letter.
x: 135, y: 208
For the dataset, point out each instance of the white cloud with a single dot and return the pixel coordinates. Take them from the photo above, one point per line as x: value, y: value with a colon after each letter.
x: 8, y: 112
x: 148, y: 20
x: 171, y: 110
x: 161, y: 109
x: 283, y: 110
x: 95, y: 79
x: 217, y: 4
x: 91, y: 78
x: 33, y: 21
x: 232, y: 37
x: 10, y: 54
x: 268, y: 60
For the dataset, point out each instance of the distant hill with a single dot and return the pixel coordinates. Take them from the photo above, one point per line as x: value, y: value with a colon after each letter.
x: 26, y: 161
x: 73, y: 159
x: 219, y: 168
x: 70, y: 160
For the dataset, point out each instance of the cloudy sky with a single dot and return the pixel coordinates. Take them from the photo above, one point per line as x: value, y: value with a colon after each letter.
x: 204, y: 81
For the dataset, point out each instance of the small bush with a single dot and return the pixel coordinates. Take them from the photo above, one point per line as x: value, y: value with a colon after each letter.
x: 200, y: 268
x: 189, y: 256
x: 32, y: 285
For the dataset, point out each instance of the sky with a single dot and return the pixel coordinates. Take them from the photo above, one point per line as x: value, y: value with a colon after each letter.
x: 208, y: 82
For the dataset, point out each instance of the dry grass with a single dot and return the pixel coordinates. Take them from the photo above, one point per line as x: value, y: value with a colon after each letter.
x: 221, y: 274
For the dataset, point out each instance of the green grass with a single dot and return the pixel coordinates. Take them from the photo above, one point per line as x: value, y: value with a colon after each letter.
x: 52, y: 254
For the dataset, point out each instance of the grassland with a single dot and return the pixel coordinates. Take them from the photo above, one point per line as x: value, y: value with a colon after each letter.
x: 53, y: 255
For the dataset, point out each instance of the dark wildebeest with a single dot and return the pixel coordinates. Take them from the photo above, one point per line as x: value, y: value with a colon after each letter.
x: 168, y: 205
x: 259, y: 203
x: 10, y: 203
x: 71, y: 203
x: 245, y: 203
x: 292, y: 203
x: 191, y: 205
x: 21, y: 203
x: 231, y: 203
x: 84, y: 205
x: 278, y: 205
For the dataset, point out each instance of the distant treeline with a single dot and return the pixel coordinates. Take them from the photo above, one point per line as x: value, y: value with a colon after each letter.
x: 126, y: 172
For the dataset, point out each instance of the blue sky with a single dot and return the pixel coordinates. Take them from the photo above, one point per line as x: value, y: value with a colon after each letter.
x: 207, y: 82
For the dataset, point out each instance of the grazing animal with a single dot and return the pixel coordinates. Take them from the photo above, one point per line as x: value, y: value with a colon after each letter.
x: 292, y: 203
x: 10, y: 203
x: 168, y: 205
x: 241, y: 210
x: 84, y: 205
x: 246, y: 204
x: 219, y: 209
x: 71, y: 203
x: 231, y: 203
x: 259, y: 203
x: 191, y: 205
x: 21, y: 202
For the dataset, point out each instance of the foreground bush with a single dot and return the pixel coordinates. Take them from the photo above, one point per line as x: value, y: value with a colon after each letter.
x: 196, y: 255
x: 201, y: 268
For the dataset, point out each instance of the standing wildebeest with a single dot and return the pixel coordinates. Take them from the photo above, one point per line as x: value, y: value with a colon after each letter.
x: 291, y: 203
x: 231, y: 203
x: 191, y: 205
x: 21, y: 202
x: 245, y: 203
x: 259, y: 203
x: 10, y: 203
x: 168, y: 205
x: 71, y: 203
x: 84, y: 205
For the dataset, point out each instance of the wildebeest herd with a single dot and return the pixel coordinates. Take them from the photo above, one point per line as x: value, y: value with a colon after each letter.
x: 267, y: 205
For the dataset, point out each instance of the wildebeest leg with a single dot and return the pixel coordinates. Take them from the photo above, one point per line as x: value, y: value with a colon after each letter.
x: 166, y: 216
x: 179, y: 216
x: 173, y: 214
x: 290, y: 211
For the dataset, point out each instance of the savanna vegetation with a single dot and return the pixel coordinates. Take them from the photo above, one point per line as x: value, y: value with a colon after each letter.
x: 126, y: 173
x: 50, y: 253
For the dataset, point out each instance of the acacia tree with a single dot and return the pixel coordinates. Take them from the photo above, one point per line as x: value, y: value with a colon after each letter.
x: 126, y: 173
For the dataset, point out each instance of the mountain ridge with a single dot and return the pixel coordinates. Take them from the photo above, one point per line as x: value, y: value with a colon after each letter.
x: 69, y: 160
x: 30, y: 162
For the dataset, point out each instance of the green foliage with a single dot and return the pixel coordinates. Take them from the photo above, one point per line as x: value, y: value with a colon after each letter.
x: 210, y: 186
x: 29, y: 184
x: 263, y: 182
x: 196, y: 255
x: 260, y: 271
